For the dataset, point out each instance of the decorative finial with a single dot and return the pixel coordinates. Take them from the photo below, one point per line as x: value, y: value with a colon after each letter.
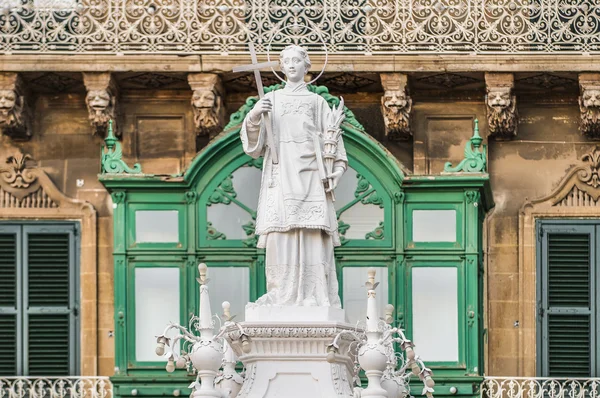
x: 111, y: 156
x: 371, y: 273
x: 110, y: 139
x: 475, y: 157
x: 203, y: 270
x: 389, y: 314
x: 226, y: 310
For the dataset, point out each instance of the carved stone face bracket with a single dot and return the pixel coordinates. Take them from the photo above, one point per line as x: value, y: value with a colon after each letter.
x: 501, y: 105
x: 396, y: 105
x: 589, y: 105
x: 101, y: 101
x: 15, y: 114
x: 207, y: 103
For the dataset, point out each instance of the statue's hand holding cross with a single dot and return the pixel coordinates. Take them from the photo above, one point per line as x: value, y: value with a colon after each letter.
x: 255, y: 66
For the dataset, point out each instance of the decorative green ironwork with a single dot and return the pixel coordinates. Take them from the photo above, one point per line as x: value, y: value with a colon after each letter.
x: 342, y: 229
x: 377, y: 233
x: 349, y: 123
x: 111, y: 156
x: 191, y: 197
x: 213, y: 234
x: 118, y: 196
x: 249, y: 229
x: 472, y: 197
x: 225, y: 193
x: 474, y: 161
x: 258, y: 163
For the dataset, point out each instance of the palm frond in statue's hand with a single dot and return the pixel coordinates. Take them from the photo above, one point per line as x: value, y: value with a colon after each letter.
x: 337, y: 116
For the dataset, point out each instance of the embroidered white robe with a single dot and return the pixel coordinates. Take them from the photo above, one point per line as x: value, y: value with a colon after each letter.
x: 300, y: 265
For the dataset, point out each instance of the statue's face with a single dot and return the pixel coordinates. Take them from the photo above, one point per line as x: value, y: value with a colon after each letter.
x: 591, y: 98
x: 292, y: 64
x: 203, y: 99
x: 98, y: 100
x: 394, y: 99
x: 499, y: 99
x: 8, y: 100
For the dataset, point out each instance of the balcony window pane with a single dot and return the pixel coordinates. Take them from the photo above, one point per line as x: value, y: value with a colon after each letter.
x: 355, y: 293
x: 434, y: 226
x: 157, y: 226
x: 230, y: 214
x: 435, y: 313
x: 156, y: 305
x: 229, y: 284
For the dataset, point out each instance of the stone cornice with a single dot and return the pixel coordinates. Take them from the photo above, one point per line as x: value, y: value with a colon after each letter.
x: 336, y: 63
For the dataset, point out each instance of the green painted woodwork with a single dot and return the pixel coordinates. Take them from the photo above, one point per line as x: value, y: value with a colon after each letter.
x: 111, y: 156
x: 568, y: 310
x: 475, y: 158
x: 209, y: 181
x: 39, y: 318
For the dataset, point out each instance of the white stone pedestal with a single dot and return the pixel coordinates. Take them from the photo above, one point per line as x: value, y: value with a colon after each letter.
x: 288, y: 359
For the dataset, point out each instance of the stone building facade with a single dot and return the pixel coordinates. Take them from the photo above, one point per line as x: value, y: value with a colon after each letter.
x: 537, y: 112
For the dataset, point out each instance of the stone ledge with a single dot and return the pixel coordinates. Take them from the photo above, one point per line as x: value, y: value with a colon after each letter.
x: 336, y: 63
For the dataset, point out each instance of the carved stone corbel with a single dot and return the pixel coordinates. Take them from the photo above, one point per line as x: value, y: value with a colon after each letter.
x: 589, y: 104
x: 501, y: 104
x: 15, y: 113
x: 207, y: 103
x: 396, y: 105
x: 101, y: 100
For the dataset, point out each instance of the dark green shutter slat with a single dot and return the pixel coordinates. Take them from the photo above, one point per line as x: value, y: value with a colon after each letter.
x: 8, y: 348
x: 8, y: 270
x: 48, y: 344
x: 569, y: 345
x: 568, y: 270
x: 48, y: 269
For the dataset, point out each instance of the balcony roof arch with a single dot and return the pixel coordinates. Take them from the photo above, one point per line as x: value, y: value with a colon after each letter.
x: 361, y: 147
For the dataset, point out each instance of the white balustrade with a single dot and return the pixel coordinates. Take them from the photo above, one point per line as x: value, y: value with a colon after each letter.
x: 540, y: 387
x: 55, y: 387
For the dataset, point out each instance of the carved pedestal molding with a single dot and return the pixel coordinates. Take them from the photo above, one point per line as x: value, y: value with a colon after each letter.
x: 589, y: 104
x: 396, y: 105
x: 207, y: 103
x: 577, y: 195
x: 101, y: 100
x: 15, y: 114
x: 501, y: 104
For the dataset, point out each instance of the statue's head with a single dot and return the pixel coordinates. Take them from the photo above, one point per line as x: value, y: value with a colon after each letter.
x: 101, y: 106
x: 499, y: 98
x: 11, y: 107
x: 590, y: 98
x: 294, y: 62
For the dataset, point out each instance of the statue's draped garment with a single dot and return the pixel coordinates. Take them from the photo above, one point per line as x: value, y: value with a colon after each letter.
x: 296, y: 221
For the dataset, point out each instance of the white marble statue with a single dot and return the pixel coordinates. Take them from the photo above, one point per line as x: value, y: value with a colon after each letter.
x: 296, y: 220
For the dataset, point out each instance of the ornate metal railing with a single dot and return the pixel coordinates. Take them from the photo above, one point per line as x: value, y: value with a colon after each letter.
x: 347, y: 26
x: 539, y: 387
x: 55, y: 387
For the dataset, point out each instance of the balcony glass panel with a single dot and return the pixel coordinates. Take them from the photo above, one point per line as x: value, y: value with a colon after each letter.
x: 157, y: 226
x: 157, y: 302
x: 229, y: 284
x: 434, y: 226
x: 435, y: 313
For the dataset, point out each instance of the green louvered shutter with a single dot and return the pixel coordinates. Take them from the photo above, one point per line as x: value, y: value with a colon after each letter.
x: 49, y: 296
x: 9, y: 299
x: 567, y: 308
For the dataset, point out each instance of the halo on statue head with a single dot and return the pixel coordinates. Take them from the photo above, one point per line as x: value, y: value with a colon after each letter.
x: 297, y: 25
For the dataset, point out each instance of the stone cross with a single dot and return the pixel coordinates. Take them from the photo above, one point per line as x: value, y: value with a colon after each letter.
x: 255, y: 66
